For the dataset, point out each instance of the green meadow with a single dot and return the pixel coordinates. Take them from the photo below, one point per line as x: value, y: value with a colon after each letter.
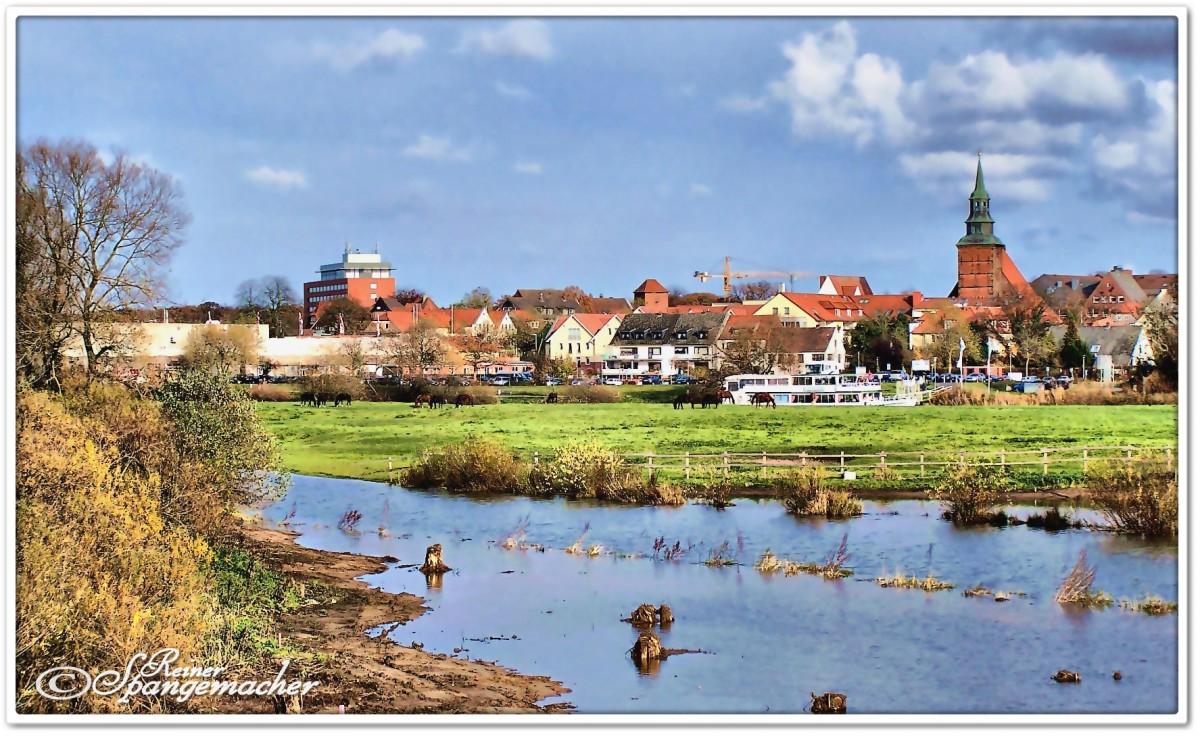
x: 356, y: 441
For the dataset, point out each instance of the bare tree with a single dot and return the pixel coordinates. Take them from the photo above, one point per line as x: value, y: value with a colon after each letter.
x: 113, y: 227
x: 478, y: 349
x: 221, y: 349
x: 417, y: 350
x: 754, y: 291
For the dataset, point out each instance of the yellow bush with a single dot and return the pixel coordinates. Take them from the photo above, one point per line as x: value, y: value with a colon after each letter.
x: 100, y: 574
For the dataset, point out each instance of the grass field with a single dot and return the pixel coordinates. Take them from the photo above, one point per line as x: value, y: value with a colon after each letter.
x: 356, y: 441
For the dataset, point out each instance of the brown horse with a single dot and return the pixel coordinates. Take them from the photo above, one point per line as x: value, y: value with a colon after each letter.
x: 723, y: 396
x: 552, y: 398
x: 762, y: 400
x: 423, y: 399
x: 464, y: 399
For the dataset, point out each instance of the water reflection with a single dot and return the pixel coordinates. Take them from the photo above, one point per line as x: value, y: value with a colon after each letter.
x: 769, y: 637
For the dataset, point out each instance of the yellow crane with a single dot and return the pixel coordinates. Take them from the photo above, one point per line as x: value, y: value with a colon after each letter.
x: 728, y: 276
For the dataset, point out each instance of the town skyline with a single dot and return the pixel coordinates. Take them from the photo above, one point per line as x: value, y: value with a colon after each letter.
x: 525, y: 153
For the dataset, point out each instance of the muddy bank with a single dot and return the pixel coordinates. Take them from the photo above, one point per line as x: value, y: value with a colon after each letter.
x: 376, y: 675
x: 884, y: 494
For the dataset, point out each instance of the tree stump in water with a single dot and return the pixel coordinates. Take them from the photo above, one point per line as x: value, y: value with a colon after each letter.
x: 828, y: 703
x: 643, y: 616
x: 433, y: 560
x: 1066, y: 676
x: 665, y: 617
x: 647, y: 648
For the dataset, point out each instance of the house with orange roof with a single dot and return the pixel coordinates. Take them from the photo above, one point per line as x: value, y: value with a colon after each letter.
x: 796, y: 349
x: 582, y: 338
x: 651, y: 296
x: 844, y: 286
x: 794, y: 309
x: 513, y: 320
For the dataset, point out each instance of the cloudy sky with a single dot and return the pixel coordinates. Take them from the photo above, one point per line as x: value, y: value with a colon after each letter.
x: 515, y: 153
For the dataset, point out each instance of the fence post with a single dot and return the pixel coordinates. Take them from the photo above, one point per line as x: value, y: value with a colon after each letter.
x: 883, y: 462
x: 764, y: 465
x: 922, y: 465
x: 1045, y: 461
x: 1169, y: 461
x: 725, y: 459
x: 687, y: 465
x: 804, y: 458
x: 1128, y: 456
x: 536, y: 455
x: 389, y: 469
x: 649, y: 465
x: 1002, y: 459
x: 962, y: 457
x: 842, y: 461
x: 1085, y: 460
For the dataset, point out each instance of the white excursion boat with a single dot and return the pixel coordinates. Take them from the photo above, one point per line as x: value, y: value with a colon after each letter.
x: 823, y: 390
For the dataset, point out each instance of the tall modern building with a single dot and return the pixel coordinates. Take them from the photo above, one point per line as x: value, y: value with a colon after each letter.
x: 360, y: 277
x: 986, y: 273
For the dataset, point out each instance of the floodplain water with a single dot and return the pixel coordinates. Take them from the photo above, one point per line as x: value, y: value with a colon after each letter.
x: 767, y: 640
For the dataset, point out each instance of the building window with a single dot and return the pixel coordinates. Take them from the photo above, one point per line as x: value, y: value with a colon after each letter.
x: 374, y: 286
x: 655, y: 351
x: 775, y: 311
x: 787, y: 310
x: 681, y: 350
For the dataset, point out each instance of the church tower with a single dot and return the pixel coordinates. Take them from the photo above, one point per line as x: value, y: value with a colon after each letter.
x: 981, y: 255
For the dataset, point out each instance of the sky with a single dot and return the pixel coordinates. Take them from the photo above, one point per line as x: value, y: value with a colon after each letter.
x: 518, y: 153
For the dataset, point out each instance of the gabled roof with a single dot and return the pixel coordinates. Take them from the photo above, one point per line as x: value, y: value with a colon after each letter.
x: 610, y: 305
x: 650, y: 286
x: 880, y: 303
x: 806, y: 339
x: 530, y: 299
x: 593, y: 323
x: 826, y: 307
x: 1152, y: 283
x: 1115, y: 341
x: 931, y: 323
x: 739, y: 324
x: 645, y: 329
x: 846, y: 285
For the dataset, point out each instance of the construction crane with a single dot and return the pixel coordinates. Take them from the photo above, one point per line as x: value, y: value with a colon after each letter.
x: 728, y: 276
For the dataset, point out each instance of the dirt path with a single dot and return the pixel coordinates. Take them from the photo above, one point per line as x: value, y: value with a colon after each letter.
x: 377, y: 675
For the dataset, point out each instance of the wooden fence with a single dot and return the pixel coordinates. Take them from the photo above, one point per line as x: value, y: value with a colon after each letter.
x: 912, y: 464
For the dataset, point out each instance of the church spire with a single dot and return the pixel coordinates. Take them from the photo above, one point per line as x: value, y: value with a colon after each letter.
x: 979, y: 217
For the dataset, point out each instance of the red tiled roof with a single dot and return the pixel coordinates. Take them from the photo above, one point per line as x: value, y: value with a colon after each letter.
x: 877, y: 303
x: 846, y: 285
x: 827, y: 308
x: 593, y: 323
x: 650, y: 286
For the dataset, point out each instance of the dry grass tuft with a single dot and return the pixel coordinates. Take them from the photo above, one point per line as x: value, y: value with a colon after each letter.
x: 1150, y: 605
x: 1077, y: 588
x: 808, y: 494
x: 927, y: 583
x: 1140, y: 496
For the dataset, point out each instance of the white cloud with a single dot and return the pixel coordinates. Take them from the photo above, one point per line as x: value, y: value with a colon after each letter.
x: 524, y: 38
x: 389, y: 49
x: 1016, y: 177
x: 436, y: 149
x: 528, y: 167
x: 700, y: 190
x: 832, y: 90
x: 512, y: 90
x: 277, y: 178
x: 743, y: 103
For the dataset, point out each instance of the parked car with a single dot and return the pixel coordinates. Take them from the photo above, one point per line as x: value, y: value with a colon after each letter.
x: 1064, y: 381
x: 500, y: 381
x: 975, y: 378
x: 897, y: 376
x: 552, y: 381
x: 681, y: 378
x: 578, y: 382
x: 613, y: 382
x: 652, y: 380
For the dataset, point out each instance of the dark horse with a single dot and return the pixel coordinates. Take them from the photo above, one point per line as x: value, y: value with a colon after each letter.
x: 680, y: 399
x: 552, y: 398
x: 342, y: 398
x: 704, y: 398
x: 762, y: 400
x: 423, y: 399
x: 464, y: 399
x: 437, y: 401
x: 723, y: 396
x: 307, y: 398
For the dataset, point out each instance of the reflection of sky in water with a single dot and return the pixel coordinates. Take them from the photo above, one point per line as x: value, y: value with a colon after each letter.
x: 770, y: 640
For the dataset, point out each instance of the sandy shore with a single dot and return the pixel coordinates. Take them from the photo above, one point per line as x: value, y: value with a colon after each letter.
x: 376, y: 675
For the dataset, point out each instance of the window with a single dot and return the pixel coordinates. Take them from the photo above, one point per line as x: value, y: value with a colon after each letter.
x: 573, y: 333
x: 655, y: 351
x: 775, y: 311
x: 681, y: 350
x: 702, y: 350
x: 818, y: 356
x: 1120, y: 299
x: 838, y: 313
x: 787, y: 310
x: 374, y: 286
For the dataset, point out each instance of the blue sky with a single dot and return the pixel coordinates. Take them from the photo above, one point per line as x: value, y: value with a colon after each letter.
x: 536, y: 153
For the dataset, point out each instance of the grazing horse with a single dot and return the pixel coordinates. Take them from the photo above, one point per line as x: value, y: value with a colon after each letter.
x: 342, y: 398
x: 552, y: 398
x: 762, y: 400
x: 710, y: 398
x: 723, y: 395
x: 437, y: 400
x: 680, y: 399
x: 464, y: 399
x: 307, y: 398
x: 423, y: 399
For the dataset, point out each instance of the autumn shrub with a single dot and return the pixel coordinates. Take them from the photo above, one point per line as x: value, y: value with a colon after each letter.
x: 100, y: 573
x: 971, y: 493
x: 474, y: 465
x: 271, y: 392
x: 807, y: 493
x: 596, y: 394
x: 1137, y: 496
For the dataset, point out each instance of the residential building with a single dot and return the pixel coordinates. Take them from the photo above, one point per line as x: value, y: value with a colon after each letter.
x: 812, y: 310
x: 797, y: 349
x: 1114, y: 350
x: 844, y: 286
x: 610, y: 305
x: 1116, y: 297
x: 359, y: 277
x: 582, y: 338
x: 663, y: 344
x: 544, y: 302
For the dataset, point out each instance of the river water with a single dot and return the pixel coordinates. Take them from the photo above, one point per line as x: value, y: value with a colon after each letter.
x: 768, y: 641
